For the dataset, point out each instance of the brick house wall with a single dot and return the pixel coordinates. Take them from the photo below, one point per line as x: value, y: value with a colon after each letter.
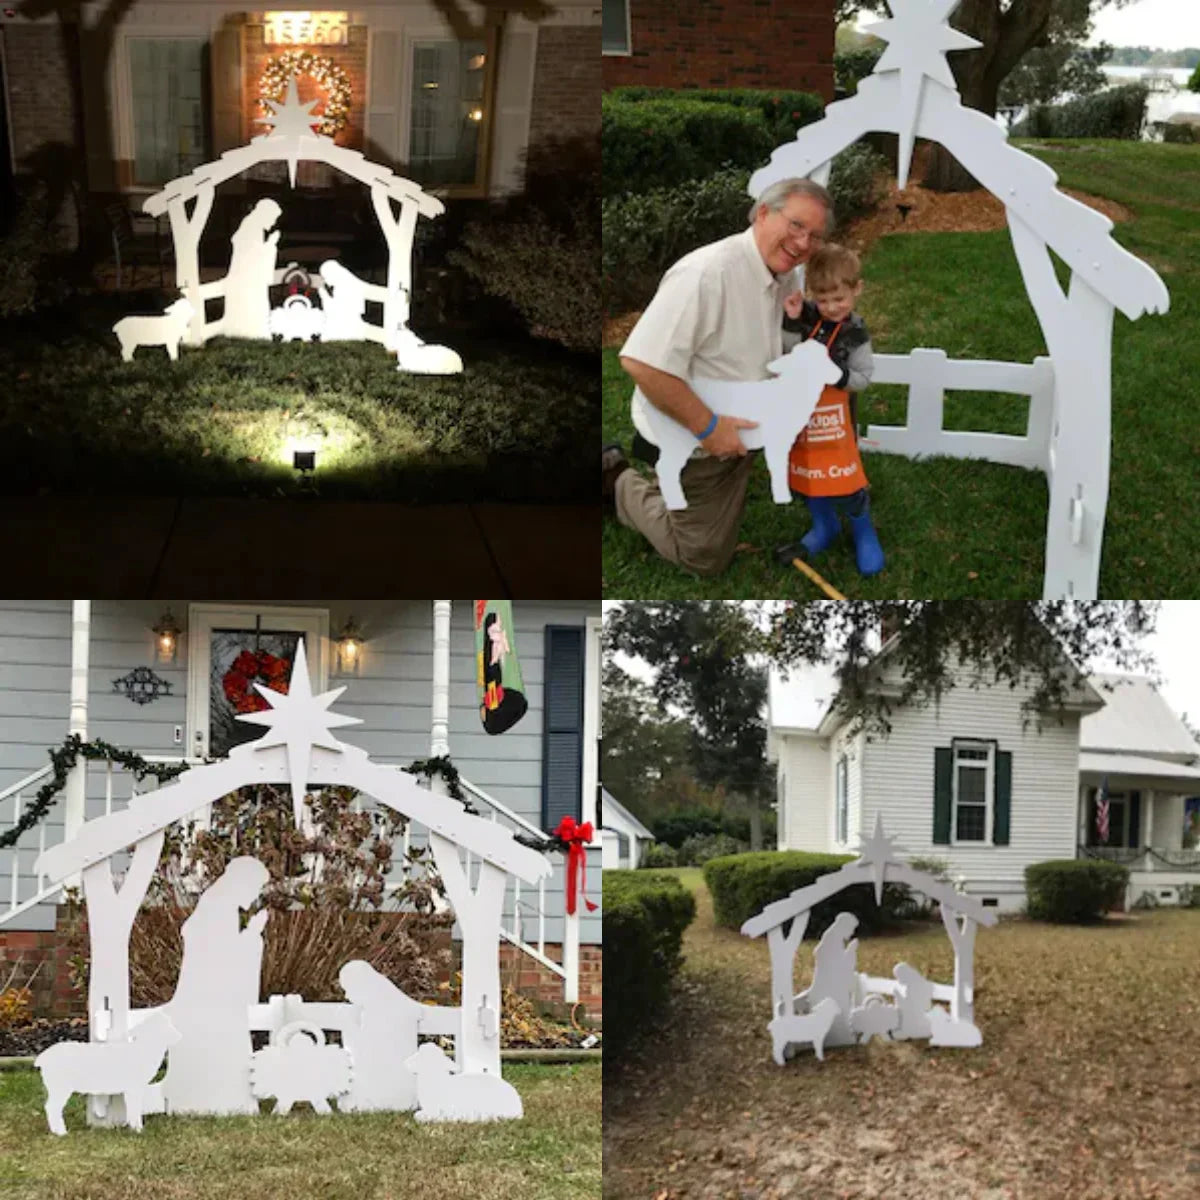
x: 41, y: 107
x: 726, y: 44
x: 566, y: 83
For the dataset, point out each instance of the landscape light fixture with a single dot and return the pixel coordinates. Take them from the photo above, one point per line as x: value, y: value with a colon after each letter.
x: 166, y: 633
x: 349, y: 647
x: 304, y: 460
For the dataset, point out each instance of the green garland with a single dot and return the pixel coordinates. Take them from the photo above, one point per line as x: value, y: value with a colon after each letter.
x: 75, y: 748
x: 64, y: 758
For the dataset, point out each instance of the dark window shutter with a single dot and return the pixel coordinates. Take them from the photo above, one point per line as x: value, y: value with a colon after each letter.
x: 562, y: 742
x: 1135, y: 819
x: 1003, y: 798
x: 943, y: 766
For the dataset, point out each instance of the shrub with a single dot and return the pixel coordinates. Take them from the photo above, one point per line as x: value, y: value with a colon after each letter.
x: 532, y: 249
x: 1118, y: 112
x: 914, y: 905
x: 660, y: 143
x: 856, y: 181
x: 676, y: 828
x: 659, y: 854
x: 851, y: 66
x: 782, y: 111
x: 1178, y: 131
x: 25, y: 252
x: 742, y: 885
x: 645, y: 915
x: 1074, y: 890
x: 696, y: 851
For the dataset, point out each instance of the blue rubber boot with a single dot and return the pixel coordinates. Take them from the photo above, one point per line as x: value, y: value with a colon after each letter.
x: 868, y: 553
x: 825, y: 527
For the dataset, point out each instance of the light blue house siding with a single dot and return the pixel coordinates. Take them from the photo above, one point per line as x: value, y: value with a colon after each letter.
x: 392, y: 694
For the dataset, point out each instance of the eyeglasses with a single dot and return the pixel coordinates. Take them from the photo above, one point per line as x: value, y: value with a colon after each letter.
x: 799, y: 229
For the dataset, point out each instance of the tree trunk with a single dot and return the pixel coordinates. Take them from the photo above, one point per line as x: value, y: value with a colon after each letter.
x: 979, y: 73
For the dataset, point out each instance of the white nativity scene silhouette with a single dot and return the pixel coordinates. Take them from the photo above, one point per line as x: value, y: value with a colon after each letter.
x: 843, y: 1005
x: 205, y: 1029
x: 912, y: 93
x: 253, y: 269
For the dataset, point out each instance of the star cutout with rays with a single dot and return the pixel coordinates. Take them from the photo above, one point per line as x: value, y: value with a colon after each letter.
x: 293, y: 120
x: 878, y: 851
x: 918, y: 40
x: 299, y: 721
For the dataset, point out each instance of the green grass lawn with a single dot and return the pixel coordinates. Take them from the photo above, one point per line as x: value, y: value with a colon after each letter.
x: 516, y: 425
x: 956, y: 528
x: 553, y: 1153
x: 1083, y: 1087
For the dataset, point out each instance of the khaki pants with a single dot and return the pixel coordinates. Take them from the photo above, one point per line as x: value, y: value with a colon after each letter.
x: 700, y: 538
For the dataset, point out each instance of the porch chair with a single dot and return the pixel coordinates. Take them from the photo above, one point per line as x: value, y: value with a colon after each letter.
x: 137, y: 242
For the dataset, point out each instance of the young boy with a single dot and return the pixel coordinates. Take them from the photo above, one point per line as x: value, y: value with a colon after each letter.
x: 824, y: 466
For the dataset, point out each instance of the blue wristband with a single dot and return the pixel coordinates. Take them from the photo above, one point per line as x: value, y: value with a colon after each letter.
x: 707, y: 429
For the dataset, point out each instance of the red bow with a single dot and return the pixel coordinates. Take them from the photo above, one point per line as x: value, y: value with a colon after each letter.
x: 576, y: 836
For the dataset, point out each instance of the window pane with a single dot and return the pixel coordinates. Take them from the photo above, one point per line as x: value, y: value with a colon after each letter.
x: 972, y: 784
x: 167, y: 80
x: 613, y: 26
x: 447, y: 112
x: 972, y: 753
x: 241, y: 657
x: 972, y: 823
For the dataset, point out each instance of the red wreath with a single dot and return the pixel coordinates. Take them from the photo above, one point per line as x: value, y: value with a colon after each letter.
x: 250, y: 668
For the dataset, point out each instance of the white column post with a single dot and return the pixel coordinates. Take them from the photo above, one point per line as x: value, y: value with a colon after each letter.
x: 439, y: 734
x: 1145, y: 843
x: 75, y: 793
x: 571, y: 950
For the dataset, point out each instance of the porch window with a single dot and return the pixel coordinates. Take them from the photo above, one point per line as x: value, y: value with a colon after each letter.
x: 843, y: 801
x: 453, y: 85
x: 614, y: 27
x: 1124, y: 820
x: 167, y: 88
x: 972, y: 786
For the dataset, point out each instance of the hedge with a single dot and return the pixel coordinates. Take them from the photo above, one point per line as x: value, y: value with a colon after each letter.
x: 645, y: 915
x: 1074, y: 890
x: 782, y: 111
x: 659, y: 143
x: 742, y: 885
x: 1118, y: 112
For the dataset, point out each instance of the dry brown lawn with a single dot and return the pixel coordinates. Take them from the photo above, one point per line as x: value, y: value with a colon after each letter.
x: 1087, y: 1086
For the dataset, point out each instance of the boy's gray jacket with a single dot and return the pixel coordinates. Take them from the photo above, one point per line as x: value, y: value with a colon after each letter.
x: 851, y: 349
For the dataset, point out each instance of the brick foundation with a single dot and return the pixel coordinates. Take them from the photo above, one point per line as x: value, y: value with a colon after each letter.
x: 53, y: 995
x: 733, y: 44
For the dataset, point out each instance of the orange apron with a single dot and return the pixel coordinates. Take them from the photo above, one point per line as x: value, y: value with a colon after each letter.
x: 824, y: 459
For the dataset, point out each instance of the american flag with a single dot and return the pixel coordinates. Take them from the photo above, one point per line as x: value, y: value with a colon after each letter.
x: 1102, y: 813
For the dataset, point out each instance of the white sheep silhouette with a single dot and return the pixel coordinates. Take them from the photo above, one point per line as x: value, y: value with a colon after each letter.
x: 875, y: 1017
x: 105, y: 1068
x: 808, y: 1027
x: 296, y: 1068
x: 444, y: 1096
x: 165, y: 330
x: 780, y: 406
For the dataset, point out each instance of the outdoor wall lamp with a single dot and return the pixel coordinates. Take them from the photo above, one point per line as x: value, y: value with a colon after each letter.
x: 167, y: 633
x: 349, y: 647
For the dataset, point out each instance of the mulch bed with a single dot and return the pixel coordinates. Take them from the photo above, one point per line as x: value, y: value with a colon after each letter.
x: 31, y: 1039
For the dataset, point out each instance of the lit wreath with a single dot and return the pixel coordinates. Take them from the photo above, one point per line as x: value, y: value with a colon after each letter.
x: 249, y: 668
x: 325, y: 71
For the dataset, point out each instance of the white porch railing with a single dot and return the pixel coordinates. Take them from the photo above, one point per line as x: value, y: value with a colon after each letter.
x: 929, y: 374
x: 527, y: 909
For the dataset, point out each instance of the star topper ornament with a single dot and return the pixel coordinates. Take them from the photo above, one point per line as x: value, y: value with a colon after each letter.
x: 918, y: 40
x: 291, y: 119
x: 878, y: 851
x: 299, y: 721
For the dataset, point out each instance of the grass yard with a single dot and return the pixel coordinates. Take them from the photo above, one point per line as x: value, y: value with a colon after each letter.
x: 954, y: 528
x: 1086, y: 1086
x: 518, y: 424
x: 553, y: 1154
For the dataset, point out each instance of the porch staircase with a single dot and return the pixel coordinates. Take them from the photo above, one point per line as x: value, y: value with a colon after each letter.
x: 527, y: 910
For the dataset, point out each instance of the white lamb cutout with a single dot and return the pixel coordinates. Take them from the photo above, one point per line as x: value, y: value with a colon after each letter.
x: 445, y: 1096
x: 105, y: 1069
x: 949, y: 1032
x: 421, y: 358
x: 165, y: 330
x: 781, y: 407
x: 875, y: 1019
x: 296, y: 1068
x: 810, y: 1027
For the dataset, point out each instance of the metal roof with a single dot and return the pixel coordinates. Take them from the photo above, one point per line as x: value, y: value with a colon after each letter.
x: 1135, y: 719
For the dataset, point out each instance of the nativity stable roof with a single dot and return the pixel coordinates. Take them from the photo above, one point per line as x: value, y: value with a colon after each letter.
x: 1136, y: 720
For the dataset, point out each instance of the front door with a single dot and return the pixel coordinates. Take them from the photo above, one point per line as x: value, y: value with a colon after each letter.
x: 229, y: 649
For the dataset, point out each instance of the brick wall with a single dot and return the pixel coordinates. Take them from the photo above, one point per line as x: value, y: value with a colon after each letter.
x: 728, y: 43
x: 566, y: 83
x: 39, y: 70
x: 53, y: 995
x: 351, y: 58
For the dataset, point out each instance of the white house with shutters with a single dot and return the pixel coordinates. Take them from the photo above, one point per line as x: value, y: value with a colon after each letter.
x: 98, y: 668
x: 974, y: 784
x: 623, y: 837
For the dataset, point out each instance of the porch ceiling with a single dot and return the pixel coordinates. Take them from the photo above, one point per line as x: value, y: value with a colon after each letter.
x: 1152, y: 770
